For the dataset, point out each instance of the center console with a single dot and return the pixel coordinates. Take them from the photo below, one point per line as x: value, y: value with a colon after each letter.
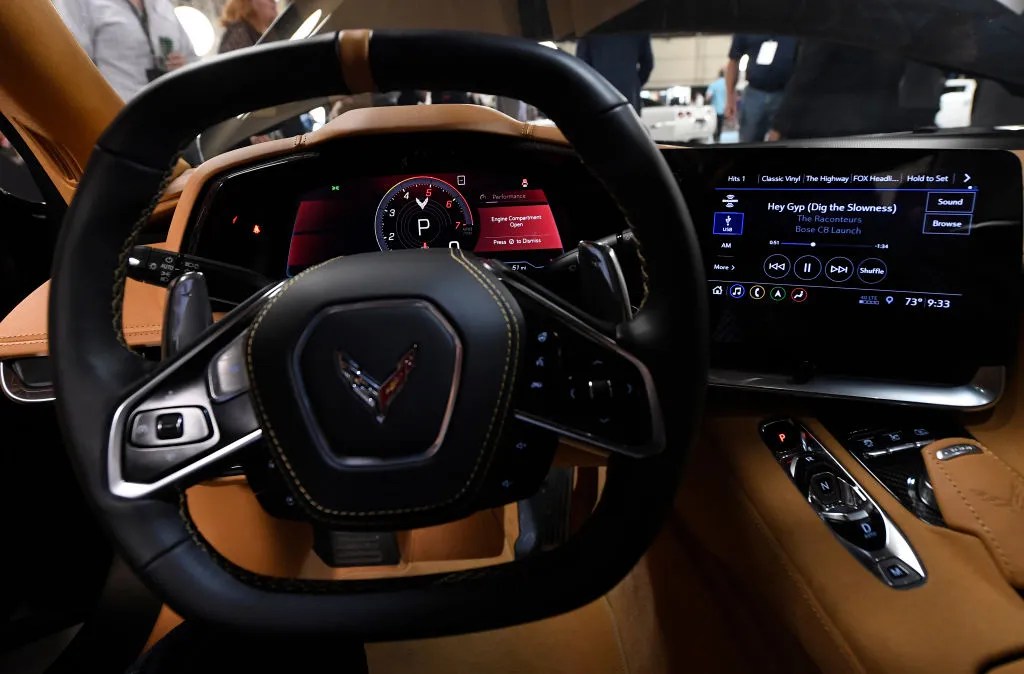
x: 843, y: 505
x: 860, y: 273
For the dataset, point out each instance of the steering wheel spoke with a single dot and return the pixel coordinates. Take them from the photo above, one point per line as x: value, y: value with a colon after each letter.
x: 193, y: 413
x: 578, y: 379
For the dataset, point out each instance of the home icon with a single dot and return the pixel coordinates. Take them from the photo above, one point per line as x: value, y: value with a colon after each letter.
x: 717, y: 290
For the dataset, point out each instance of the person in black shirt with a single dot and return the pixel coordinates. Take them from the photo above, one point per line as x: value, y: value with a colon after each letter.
x: 839, y: 90
x: 625, y: 60
x: 769, y: 66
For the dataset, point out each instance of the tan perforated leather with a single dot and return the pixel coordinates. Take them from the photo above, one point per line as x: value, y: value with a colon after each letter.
x: 982, y: 495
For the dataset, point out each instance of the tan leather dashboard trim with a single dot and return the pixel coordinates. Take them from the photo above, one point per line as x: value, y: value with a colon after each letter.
x: 24, y: 331
x: 354, y: 54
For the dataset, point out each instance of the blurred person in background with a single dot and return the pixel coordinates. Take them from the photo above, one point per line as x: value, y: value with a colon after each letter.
x: 717, y: 97
x: 244, y: 22
x: 625, y: 60
x: 132, y: 42
x: 839, y: 90
x: 770, y: 62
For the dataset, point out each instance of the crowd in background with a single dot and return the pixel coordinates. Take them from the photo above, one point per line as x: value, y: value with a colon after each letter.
x: 769, y: 88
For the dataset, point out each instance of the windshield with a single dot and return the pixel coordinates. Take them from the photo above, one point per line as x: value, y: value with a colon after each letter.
x: 697, y: 73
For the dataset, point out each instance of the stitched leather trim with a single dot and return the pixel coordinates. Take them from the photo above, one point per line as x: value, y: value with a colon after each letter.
x: 121, y: 273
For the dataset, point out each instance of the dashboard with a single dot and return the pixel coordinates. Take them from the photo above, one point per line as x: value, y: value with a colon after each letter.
x: 826, y: 268
x: 518, y: 202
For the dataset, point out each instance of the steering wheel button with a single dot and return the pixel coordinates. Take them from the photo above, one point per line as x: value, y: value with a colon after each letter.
x: 227, y: 376
x: 170, y: 426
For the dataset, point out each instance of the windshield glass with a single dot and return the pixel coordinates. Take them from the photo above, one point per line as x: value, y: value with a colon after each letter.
x: 697, y: 73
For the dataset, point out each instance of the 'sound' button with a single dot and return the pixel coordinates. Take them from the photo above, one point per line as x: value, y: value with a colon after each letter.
x: 839, y: 269
x: 871, y: 270
x: 776, y: 266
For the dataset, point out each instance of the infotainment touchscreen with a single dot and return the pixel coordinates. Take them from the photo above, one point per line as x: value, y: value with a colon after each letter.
x: 880, y: 263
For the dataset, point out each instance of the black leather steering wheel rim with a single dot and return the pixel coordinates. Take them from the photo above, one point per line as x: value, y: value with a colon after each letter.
x: 94, y: 370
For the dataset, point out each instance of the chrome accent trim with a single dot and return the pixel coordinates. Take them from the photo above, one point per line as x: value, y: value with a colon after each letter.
x: 452, y: 393
x: 15, y: 389
x: 126, y: 489
x: 982, y: 392
x: 896, y: 544
x: 118, y: 485
x: 368, y: 390
x: 947, y: 453
x: 585, y: 330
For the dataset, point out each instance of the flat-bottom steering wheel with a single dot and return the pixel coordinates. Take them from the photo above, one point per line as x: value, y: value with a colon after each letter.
x: 387, y: 388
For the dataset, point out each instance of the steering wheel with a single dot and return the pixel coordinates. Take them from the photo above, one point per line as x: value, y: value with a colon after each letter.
x: 389, y: 389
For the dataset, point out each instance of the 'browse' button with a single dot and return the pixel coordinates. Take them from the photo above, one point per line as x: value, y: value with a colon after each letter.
x: 951, y: 202
x: 947, y: 223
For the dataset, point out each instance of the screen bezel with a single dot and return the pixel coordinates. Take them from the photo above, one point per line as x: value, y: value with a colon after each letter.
x: 985, y: 335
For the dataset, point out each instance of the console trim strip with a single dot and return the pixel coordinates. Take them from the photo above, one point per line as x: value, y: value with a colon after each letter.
x: 982, y: 392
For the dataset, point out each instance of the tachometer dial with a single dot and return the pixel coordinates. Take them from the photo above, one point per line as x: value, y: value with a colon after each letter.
x: 424, y: 212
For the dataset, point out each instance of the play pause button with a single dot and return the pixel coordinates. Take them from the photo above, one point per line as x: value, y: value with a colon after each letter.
x: 807, y: 267
x: 839, y: 269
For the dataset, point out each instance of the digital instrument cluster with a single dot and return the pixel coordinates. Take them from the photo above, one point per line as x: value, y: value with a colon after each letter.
x: 511, y: 199
x: 495, y: 216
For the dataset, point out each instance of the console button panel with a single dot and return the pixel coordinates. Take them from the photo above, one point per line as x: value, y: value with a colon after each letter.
x: 890, y: 449
x: 843, y: 506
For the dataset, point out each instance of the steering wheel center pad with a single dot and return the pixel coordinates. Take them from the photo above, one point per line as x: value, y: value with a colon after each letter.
x: 401, y: 367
